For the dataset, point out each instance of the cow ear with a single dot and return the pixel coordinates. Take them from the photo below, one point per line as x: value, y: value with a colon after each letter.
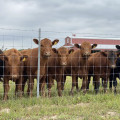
x: 3, y: 57
x: 76, y: 45
x: 104, y: 53
x: 117, y: 46
x: 55, y: 42
x: 36, y: 41
x: 54, y: 50
x: 71, y: 51
x: 23, y: 58
x: 94, y: 45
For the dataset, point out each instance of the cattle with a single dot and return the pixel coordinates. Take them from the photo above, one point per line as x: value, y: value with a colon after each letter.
x: 1, y: 67
x: 99, y: 66
x: 115, y: 73
x: 55, y: 67
x: 25, y: 76
x: 12, y: 70
x: 32, y: 62
x: 77, y: 62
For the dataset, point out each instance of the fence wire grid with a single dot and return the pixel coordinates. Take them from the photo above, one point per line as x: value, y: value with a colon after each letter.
x: 31, y: 65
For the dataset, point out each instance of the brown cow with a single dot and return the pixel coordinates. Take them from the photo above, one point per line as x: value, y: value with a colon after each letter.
x: 13, y: 70
x: 25, y: 78
x: 32, y: 62
x: 77, y: 62
x: 99, y: 66
x: 55, y: 67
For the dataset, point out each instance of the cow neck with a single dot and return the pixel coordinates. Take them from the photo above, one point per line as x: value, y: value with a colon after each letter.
x: 43, y: 60
x: 84, y: 59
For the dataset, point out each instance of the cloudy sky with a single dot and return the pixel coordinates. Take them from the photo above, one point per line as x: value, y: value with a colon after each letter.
x: 57, y: 19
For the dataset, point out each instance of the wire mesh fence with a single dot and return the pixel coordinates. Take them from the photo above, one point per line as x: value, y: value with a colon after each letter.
x: 34, y: 62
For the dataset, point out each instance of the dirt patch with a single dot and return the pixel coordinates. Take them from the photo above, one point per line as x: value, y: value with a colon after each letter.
x: 32, y: 107
x: 49, y: 118
x: 79, y: 105
x: 82, y: 104
x: 6, y: 110
x: 110, y: 114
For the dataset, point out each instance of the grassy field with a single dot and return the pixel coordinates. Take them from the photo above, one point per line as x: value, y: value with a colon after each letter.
x: 77, y: 107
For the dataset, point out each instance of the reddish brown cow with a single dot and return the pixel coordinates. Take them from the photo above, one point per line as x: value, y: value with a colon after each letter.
x: 32, y: 63
x: 13, y: 70
x: 55, y: 67
x: 99, y: 66
x: 25, y: 78
x: 77, y: 62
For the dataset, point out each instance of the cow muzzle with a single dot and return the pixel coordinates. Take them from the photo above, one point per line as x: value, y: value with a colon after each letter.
x: 86, y: 55
x: 14, y: 77
x: 64, y: 63
x: 113, y: 66
x: 47, y: 54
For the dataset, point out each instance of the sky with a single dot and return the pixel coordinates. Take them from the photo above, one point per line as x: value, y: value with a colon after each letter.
x: 20, y: 20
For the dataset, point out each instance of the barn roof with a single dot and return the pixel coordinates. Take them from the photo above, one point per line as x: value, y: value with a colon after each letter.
x: 96, y: 41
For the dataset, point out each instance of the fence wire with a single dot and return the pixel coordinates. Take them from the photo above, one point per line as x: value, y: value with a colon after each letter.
x: 62, y: 70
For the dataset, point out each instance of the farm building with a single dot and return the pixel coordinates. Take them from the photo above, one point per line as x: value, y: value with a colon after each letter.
x: 103, y: 44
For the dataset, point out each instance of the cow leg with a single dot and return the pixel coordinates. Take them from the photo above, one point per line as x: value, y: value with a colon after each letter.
x: 105, y: 84
x: 88, y: 82
x: 50, y: 83
x: 42, y: 85
x: 77, y: 87
x: 23, y: 84
x: 18, y: 89
x: 84, y: 84
x: 115, y: 84
x: 102, y: 81
x: 59, y: 85
x: 110, y: 83
x: 73, y: 83
x: 30, y: 86
x: 6, y: 88
x: 63, y: 80
x: 96, y: 83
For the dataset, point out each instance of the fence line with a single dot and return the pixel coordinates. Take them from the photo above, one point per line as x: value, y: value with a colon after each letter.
x: 42, y: 34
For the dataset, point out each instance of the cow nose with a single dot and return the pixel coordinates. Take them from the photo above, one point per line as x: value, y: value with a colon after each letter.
x: 47, y: 54
x: 14, y: 76
x: 64, y: 63
x: 113, y: 66
x: 86, y: 53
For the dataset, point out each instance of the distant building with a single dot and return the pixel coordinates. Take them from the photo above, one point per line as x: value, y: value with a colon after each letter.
x: 69, y: 42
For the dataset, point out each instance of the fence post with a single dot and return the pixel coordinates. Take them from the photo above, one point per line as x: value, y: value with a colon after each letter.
x: 38, y: 73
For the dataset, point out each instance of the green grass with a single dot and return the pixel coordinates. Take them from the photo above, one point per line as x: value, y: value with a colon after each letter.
x: 77, y: 107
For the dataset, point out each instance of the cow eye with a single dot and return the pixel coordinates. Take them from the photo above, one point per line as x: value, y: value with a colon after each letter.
x: 41, y: 45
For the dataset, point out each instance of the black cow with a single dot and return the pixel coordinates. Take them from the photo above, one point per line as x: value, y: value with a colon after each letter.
x: 115, y: 73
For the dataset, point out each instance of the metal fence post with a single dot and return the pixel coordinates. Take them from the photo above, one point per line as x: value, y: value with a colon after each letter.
x: 38, y: 73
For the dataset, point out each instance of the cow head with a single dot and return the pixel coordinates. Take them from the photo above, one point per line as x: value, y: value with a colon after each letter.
x: 13, y: 65
x: 112, y: 57
x: 46, y: 46
x: 85, y: 48
x: 63, y: 54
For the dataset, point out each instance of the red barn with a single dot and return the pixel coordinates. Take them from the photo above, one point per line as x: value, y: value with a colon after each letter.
x: 69, y: 42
